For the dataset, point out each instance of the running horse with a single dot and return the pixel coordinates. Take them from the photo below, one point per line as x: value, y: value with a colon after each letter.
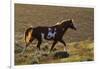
x: 54, y: 33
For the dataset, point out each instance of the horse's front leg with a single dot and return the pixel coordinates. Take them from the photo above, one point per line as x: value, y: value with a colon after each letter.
x: 62, y: 41
x: 54, y: 43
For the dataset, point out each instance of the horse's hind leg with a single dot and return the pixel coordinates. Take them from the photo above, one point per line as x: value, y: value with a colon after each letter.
x: 25, y: 48
x: 27, y: 44
x: 38, y: 47
x: 39, y: 43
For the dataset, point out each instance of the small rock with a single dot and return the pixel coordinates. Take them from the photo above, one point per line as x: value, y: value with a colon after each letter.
x: 61, y: 54
x: 89, y: 59
x: 34, y: 62
x: 45, y: 54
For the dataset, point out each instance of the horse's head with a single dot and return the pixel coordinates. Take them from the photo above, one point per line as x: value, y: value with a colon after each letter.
x: 68, y: 24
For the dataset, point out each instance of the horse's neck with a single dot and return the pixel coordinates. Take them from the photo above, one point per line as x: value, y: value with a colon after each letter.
x: 64, y: 30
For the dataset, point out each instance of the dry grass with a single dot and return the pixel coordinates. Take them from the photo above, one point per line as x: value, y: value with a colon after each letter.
x: 80, y: 42
x: 78, y: 51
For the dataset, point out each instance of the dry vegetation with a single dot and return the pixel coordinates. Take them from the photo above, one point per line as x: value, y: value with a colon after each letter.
x: 79, y: 43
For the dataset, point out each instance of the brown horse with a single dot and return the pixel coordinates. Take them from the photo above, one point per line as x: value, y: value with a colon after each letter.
x: 54, y: 33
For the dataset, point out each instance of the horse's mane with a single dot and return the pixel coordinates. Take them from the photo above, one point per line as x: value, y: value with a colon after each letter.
x: 59, y: 23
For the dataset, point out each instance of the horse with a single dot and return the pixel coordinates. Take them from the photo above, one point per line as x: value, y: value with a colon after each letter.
x: 54, y: 33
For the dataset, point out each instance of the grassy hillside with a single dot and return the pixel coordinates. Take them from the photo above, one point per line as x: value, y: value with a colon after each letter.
x: 79, y: 43
x: 78, y: 52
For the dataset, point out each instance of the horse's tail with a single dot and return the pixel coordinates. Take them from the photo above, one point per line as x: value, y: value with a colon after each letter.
x: 28, y: 35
